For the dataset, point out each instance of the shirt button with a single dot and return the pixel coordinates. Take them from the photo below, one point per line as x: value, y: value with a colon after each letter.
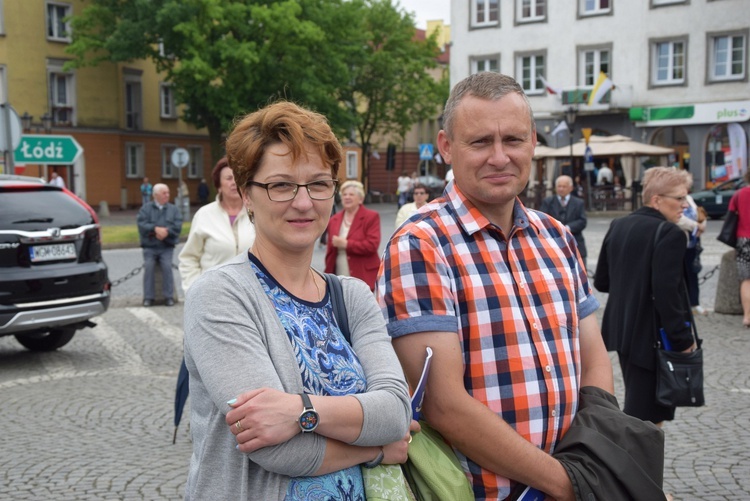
x: 554, y: 413
x: 521, y: 286
x: 535, y: 325
x: 548, y: 369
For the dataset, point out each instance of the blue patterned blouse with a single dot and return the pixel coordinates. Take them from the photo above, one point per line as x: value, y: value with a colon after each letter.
x: 328, y: 366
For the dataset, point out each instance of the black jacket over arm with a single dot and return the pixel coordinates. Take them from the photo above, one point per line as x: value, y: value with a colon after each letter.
x: 646, y: 286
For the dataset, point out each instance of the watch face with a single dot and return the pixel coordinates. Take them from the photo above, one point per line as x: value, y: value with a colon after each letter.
x: 308, y: 421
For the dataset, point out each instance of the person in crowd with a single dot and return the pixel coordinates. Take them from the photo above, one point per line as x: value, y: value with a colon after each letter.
x: 617, y: 188
x: 693, y: 223
x: 159, y: 227
x: 641, y: 267
x: 740, y: 204
x: 500, y: 294
x: 283, y: 407
x: 184, y: 193
x: 605, y: 176
x: 577, y: 187
x: 203, y: 192
x: 219, y: 231
x: 404, y: 186
x: 354, y: 237
x: 56, y: 180
x: 569, y: 210
x: 147, y: 191
x: 421, y: 197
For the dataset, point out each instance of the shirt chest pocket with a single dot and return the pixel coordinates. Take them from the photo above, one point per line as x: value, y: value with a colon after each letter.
x: 553, y: 296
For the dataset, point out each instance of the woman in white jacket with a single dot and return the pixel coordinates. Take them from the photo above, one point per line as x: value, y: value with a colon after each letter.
x: 219, y: 231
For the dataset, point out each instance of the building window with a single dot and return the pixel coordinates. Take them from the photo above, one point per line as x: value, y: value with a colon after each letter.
x: 351, y: 165
x: 727, y: 57
x: 485, y: 64
x: 3, y: 85
x: 167, y: 169
x: 195, y: 167
x: 133, y: 106
x: 657, y: 3
x: 529, y: 67
x: 485, y: 12
x: 591, y: 7
x: 531, y: 10
x: 2, y: 18
x: 133, y: 160
x: 62, y: 100
x: 58, y: 28
x: 166, y: 101
x: 592, y: 61
x: 669, y: 61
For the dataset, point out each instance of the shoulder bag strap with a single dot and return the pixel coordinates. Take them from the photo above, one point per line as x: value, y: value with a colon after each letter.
x: 339, y: 307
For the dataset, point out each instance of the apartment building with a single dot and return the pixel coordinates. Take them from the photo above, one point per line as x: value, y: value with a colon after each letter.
x: 679, y: 69
x: 122, y: 115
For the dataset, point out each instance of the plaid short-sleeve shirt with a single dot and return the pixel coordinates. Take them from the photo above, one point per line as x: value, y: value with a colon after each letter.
x: 515, y: 302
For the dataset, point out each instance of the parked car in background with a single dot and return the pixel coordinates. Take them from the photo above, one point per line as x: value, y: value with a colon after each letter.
x: 716, y: 200
x: 53, y: 279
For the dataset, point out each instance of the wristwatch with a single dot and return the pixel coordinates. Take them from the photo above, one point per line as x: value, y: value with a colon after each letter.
x: 309, y: 418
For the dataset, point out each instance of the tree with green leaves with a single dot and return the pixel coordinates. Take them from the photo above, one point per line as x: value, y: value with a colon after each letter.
x: 392, y: 87
x: 355, y: 61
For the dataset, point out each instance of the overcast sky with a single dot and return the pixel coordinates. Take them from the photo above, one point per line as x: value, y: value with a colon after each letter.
x: 428, y: 10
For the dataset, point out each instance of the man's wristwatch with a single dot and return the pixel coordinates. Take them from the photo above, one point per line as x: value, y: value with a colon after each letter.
x: 309, y: 418
x: 376, y: 461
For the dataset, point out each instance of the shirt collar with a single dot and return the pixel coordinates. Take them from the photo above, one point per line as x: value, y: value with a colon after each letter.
x: 472, y: 220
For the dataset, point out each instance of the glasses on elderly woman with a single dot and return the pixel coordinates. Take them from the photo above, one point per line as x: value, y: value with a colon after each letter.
x: 284, y: 191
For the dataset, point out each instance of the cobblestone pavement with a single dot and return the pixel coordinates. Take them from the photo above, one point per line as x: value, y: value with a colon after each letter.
x: 93, y: 421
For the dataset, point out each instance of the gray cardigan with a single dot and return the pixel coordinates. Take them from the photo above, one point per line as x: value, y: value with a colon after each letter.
x: 234, y: 342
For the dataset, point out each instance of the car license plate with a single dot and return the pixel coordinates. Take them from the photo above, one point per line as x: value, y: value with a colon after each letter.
x: 52, y: 252
x: 719, y: 199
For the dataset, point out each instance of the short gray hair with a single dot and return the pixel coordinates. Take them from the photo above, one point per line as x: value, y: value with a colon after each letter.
x: 358, y: 187
x: 484, y: 85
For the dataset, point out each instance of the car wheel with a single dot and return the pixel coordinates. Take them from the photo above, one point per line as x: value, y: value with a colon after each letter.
x: 46, y: 341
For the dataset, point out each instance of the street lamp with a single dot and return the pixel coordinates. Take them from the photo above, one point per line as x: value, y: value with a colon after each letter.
x: 27, y: 122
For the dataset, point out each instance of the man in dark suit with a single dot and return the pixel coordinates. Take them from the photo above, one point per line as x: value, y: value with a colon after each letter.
x: 569, y: 210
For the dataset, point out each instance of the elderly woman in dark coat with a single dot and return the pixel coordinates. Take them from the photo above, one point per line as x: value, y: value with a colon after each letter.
x: 645, y: 278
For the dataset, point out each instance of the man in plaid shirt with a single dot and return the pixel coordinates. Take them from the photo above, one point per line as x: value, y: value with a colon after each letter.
x: 500, y: 294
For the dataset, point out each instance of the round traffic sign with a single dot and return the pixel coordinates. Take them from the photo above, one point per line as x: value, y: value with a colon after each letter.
x: 180, y: 157
x: 9, y: 121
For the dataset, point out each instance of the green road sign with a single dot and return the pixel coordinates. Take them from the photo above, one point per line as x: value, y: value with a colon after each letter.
x: 47, y: 149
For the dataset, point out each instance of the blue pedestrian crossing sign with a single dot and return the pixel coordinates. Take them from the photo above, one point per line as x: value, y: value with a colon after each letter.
x: 425, y: 151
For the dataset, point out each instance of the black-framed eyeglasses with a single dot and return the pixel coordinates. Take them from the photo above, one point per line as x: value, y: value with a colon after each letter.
x: 679, y: 199
x: 284, y: 191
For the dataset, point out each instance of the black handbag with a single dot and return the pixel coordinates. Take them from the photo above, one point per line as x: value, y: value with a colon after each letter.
x: 728, y: 233
x: 679, y: 376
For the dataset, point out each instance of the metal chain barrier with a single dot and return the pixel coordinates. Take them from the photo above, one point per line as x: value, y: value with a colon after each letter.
x: 707, y: 276
x: 127, y: 277
x: 133, y: 273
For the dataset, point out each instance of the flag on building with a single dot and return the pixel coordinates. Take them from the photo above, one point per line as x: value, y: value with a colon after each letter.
x: 562, y: 126
x: 603, y: 84
x: 549, y: 87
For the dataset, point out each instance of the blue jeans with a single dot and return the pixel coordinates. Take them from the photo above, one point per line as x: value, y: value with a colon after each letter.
x: 163, y: 256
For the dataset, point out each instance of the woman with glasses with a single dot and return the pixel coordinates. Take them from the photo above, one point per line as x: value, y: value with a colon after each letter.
x: 641, y: 266
x: 354, y: 237
x: 283, y: 407
x: 421, y: 197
